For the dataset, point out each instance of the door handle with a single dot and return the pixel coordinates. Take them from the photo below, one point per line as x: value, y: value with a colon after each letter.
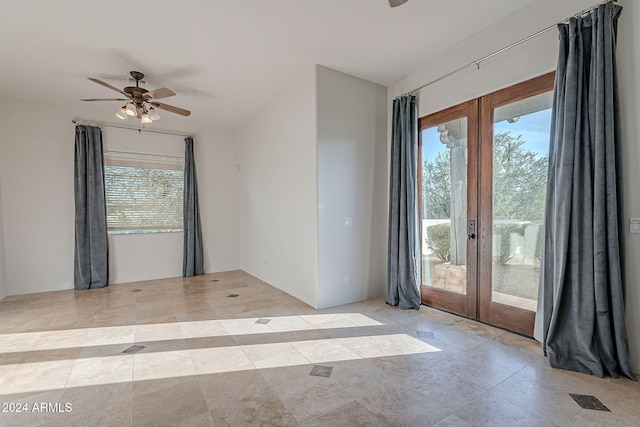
x: 471, y: 230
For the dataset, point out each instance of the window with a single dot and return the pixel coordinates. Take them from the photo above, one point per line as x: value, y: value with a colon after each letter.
x: 483, y: 177
x: 144, y: 193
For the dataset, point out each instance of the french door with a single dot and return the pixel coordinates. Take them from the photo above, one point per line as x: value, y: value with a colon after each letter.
x: 483, y: 183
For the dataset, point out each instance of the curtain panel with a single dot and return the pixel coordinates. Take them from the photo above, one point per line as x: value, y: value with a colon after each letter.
x: 403, y: 265
x: 91, y: 246
x: 192, y: 260
x: 580, y: 318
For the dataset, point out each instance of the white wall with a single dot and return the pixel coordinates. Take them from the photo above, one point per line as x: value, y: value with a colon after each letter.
x: 36, y: 174
x: 159, y: 255
x: 531, y: 59
x: 528, y: 60
x: 3, y: 275
x: 351, y: 146
x: 216, y: 154
x: 278, y: 224
x: 135, y: 257
x: 36, y: 163
x: 628, y: 55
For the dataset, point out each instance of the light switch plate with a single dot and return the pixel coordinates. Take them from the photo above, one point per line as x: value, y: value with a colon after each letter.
x: 634, y: 225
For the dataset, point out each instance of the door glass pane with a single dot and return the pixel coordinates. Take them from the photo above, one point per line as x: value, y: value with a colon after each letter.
x: 444, y: 206
x: 520, y: 158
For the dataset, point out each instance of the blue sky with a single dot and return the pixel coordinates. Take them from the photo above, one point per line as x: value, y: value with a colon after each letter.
x: 533, y: 127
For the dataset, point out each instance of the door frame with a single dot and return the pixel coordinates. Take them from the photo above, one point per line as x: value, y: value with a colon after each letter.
x: 505, y: 316
x: 464, y: 305
x: 477, y: 304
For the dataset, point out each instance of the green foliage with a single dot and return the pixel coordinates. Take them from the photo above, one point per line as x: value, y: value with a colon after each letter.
x: 436, y: 187
x: 439, y: 240
x: 520, y: 180
x: 519, y: 187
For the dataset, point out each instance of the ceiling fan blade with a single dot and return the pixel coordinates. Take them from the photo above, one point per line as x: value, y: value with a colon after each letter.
x: 171, y: 108
x: 163, y: 92
x: 395, y: 3
x: 100, y: 82
x: 106, y: 99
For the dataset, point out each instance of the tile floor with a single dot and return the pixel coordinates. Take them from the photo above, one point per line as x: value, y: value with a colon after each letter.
x: 183, y: 352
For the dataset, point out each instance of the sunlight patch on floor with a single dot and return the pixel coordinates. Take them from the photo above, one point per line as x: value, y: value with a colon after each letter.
x: 122, y: 368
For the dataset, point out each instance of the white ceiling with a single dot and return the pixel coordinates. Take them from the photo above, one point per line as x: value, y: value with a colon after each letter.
x: 224, y: 58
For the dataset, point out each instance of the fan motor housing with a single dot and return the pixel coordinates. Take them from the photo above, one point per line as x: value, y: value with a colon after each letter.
x: 135, y: 90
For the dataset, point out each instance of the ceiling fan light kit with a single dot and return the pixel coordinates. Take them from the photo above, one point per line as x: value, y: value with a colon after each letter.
x: 141, y: 101
x: 130, y: 109
x: 153, y: 114
x: 122, y: 113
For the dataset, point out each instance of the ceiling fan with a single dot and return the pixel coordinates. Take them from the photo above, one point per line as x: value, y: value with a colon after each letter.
x: 394, y: 3
x: 141, y: 102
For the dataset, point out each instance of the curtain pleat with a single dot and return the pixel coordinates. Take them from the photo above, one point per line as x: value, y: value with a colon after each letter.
x: 91, y: 246
x: 193, y: 260
x: 403, y: 273
x: 580, y: 318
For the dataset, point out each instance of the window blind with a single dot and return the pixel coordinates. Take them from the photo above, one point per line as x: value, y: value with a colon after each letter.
x: 144, y: 193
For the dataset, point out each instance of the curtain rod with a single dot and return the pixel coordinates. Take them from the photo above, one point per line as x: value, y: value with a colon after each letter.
x: 81, y: 122
x: 497, y: 52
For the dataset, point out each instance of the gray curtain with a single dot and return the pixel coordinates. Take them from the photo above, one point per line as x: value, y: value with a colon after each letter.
x: 580, y: 318
x: 91, y: 249
x: 403, y: 269
x: 192, y: 260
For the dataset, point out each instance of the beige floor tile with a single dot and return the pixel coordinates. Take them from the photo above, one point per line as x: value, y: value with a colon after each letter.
x: 325, y: 351
x: 479, y: 371
x: 37, y: 376
x: 109, y: 335
x: 22, y: 408
x: 541, y: 372
x: 503, y: 355
x: 290, y: 337
x: 303, y: 395
x: 102, y: 370
x: 490, y: 410
x: 386, y: 345
x: 115, y: 317
x: 452, y: 421
x: 203, y: 329
x: 44, y: 358
x: 336, y: 320
x: 158, y: 332
x: 103, y: 405
x: 274, y: 355
x: 7, y: 363
x: 245, y: 326
x: 350, y: 414
x: 461, y: 338
x: 224, y: 390
x: 479, y: 329
x: 287, y: 323
x: 159, y: 365
x: 204, y: 419
x: 622, y: 403
x: 551, y: 404
x: 220, y: 360
x: 170, y: 402
x: 18, y: 342
x: 587, y: 418
x: 192, y: 314
x: 433, y: 394
x: 206, y: 362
